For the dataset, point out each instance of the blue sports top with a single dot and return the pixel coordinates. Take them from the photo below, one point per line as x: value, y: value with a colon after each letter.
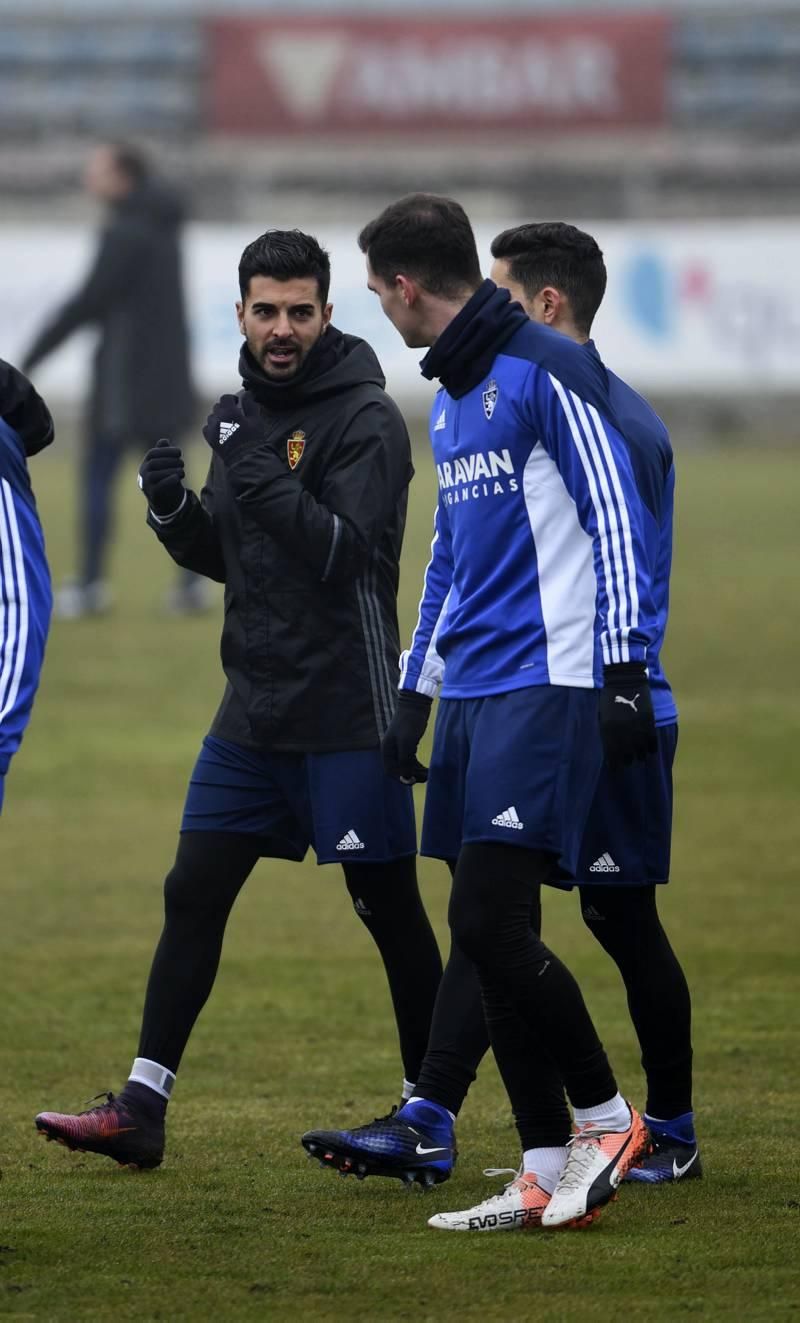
x: 25, y: 594
x: 553, y: 531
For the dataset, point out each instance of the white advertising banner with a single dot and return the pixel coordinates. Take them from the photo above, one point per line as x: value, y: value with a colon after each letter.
x: 690, y: 308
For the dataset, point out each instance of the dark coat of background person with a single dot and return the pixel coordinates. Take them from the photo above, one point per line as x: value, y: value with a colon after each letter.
x: 133, y: 295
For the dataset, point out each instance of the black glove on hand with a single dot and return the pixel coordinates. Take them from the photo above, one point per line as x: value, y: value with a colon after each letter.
x: 406, y: 729
x: 234, y: 424
x: 627, y: 724
x: 161, y: 477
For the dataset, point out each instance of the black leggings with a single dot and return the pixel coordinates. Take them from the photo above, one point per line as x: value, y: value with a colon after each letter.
x: 625, y: 921
x: 209, y: 871
x: 493, y: 907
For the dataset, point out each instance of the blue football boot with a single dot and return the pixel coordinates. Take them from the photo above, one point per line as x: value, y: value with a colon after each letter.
x: 414, y: 1143
x: 674, y: 1155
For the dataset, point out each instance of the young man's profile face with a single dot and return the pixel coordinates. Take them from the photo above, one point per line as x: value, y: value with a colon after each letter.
x: 282, y: 320
x: 396, y: 306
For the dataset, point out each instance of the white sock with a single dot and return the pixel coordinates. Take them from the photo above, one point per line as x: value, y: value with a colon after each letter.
x: 156, y: 1077
x: 408, y: 1090
x: 415, y: 1098
x: 612, y: 1115
x: 547, y: 1163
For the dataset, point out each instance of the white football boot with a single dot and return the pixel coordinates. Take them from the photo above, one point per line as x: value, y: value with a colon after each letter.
x: 598, y: 1160
x: 518, y: 1207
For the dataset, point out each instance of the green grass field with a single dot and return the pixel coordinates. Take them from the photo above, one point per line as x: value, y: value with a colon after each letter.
x: 236, y: 1224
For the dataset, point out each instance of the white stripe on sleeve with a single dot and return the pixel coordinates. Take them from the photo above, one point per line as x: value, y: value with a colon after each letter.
x: 613, y: 520
x: 623, y: 514
x: 15, y: 592
x: 610, y: 647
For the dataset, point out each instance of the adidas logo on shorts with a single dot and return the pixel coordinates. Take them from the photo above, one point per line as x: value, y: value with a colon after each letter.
x: 605, y: 864
x: 350, y: 842
x: 509, y: 818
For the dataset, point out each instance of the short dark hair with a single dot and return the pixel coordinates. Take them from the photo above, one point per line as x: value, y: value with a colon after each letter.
x: 557, y: 254
x: 286, y: 255
x: 428, y: 238
x: 131, y: 161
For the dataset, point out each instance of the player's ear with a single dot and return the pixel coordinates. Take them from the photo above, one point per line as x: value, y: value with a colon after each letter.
x: 327, y: 313
x: 408, y: 290
x: 240, y: 316
x: 552, y: 301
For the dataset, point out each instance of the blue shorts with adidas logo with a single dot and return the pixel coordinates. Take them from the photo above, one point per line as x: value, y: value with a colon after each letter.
x: 629, y: 830
x: 340, y: 804
x: 519, y: 768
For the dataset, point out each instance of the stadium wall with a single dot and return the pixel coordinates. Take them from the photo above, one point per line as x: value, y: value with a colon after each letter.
x: 688, y: 312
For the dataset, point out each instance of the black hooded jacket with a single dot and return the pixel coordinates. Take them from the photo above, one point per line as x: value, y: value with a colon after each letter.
x: 308, y: 547
x: 133, y: 294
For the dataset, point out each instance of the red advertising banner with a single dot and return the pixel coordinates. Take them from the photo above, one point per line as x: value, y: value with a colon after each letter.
x: 369, y: 75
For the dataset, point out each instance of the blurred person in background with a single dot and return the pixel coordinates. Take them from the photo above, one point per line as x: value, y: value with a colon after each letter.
x: 141, y: 385
x: 302, y: 518
x: 25, y: 598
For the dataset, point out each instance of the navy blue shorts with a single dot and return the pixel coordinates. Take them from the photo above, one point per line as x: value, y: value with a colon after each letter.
x: 629, y: 831
x: 520, y: 768
x: 341, y: 804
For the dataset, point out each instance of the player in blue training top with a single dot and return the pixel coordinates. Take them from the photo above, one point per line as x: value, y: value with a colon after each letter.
x: 558, y: 274
x: 539, y: 603
x: 25, y: 596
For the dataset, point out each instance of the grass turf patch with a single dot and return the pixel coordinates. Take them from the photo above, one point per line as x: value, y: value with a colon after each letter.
x: 299, y: 1033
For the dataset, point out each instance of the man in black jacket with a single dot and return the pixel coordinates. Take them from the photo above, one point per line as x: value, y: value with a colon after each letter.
x: 141, y: 384
x: 302, y: 519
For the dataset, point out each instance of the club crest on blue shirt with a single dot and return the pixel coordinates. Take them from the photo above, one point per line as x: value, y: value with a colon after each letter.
x: 490, y: 398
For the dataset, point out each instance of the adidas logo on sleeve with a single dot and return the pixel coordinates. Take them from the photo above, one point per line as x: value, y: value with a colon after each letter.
x: 350, y: 842
x: 226, y: 431
x: 509, y: 818
x: 605, y: 864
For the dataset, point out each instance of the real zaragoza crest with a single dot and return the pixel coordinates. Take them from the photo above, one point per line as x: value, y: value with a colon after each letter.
x: 294, y: 448
x: 490, y: 398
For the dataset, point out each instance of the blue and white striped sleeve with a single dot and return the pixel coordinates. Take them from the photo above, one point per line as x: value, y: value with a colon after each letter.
x: 421, y: 667
x: 593, y: 460
x: 14, y: 620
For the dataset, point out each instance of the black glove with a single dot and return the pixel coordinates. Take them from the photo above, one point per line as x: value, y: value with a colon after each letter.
x: 627, y: 724
x: 406, y: 729
x: 161, y: 477
x: 234, y: 424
